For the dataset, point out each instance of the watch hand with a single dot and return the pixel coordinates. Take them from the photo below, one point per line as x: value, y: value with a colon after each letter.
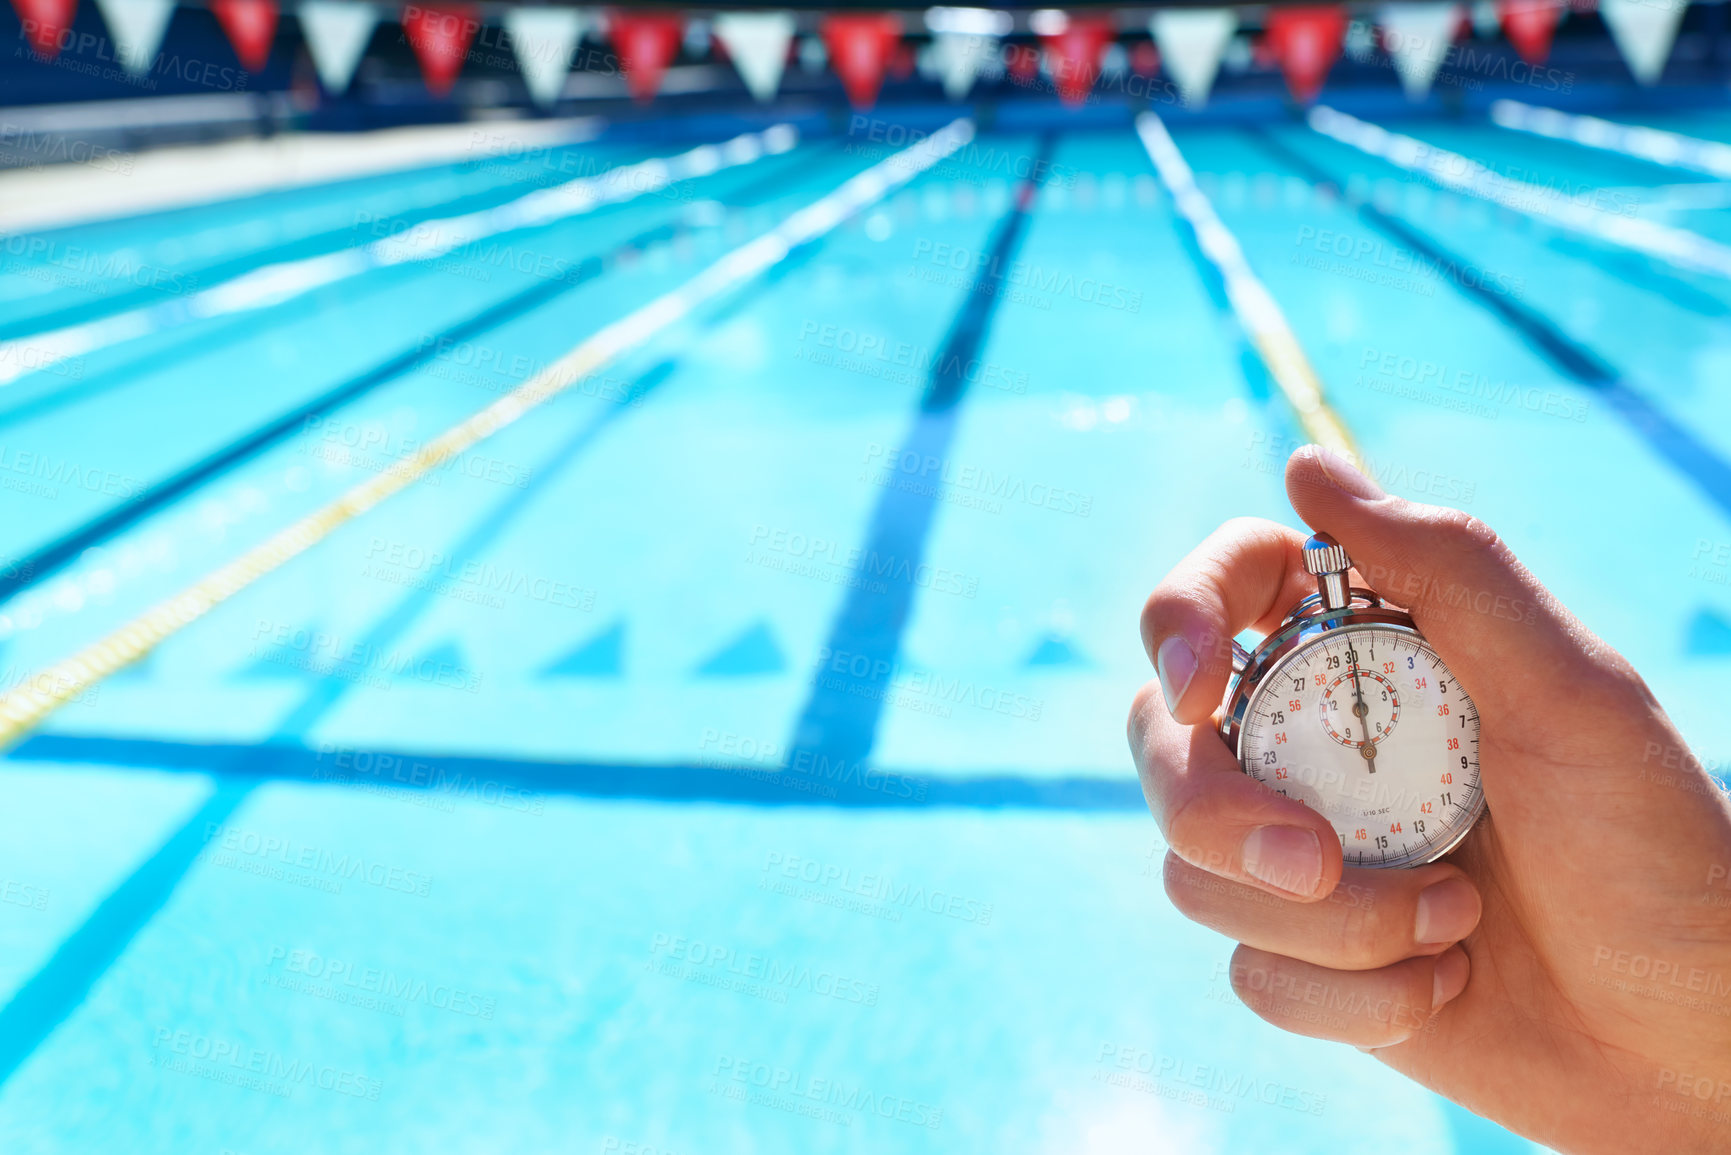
x: 1367, y: 747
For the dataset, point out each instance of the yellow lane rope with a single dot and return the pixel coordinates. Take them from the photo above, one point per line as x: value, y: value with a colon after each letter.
x: 1253, y: 304
x: 27, y: 704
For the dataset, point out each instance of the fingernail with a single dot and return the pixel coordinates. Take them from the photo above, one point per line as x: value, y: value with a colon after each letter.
x: 1447, y: 912
x: 1449, y: 979
x: 1176, y: 663
x: 1346, y: 475
x: 1288, y: 857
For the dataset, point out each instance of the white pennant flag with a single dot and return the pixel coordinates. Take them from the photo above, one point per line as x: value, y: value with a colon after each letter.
x: 964, y: 44
x: 960, y: 57
x: 544, y: 39
x: 758, y: 42
x: 337, y: 34
x: 137, y: 27
x: 1644, y: 31
x: 1418, y: 38
x: 1487, y: 20
x: 1191, y: 42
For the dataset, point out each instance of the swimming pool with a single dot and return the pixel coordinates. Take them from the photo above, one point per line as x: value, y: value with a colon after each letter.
x: 728, y: 754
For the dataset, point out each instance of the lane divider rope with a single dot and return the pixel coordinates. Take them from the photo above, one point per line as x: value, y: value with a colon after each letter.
x: 1673, y: 246
x: 25, y: 706
x: 1252, y: 303
x: 1671, y: 149
x: 427, y: 241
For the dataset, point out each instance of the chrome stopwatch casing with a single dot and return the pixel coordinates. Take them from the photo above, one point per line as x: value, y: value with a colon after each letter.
x: 1348, y: 708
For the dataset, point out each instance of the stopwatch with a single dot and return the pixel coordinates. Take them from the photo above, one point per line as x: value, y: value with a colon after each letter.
x: 1347, y: 708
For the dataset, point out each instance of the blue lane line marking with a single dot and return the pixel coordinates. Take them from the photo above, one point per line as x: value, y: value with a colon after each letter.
x: 48, y: 559
x: 66, y: 979
x: 22, y: 573
x: 490, y: 780
x: 840, y: 720
x: 328, y: 691
x: 64, y: 982
x: 1690, y: 456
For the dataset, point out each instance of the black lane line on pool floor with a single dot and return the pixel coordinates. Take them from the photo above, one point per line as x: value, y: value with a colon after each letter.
x: 513, y: 783
x: 65, y: 981
x: 20, y: 574
x: 838, y: 726
x: 1693, y: 458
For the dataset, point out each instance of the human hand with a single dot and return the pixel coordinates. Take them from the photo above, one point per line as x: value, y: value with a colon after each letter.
x: 1567, y: 971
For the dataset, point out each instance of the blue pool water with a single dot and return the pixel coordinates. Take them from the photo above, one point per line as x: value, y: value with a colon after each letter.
x: 526, y: 875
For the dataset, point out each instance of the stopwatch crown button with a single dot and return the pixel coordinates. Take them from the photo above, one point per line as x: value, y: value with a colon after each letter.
x: 1323, y: 555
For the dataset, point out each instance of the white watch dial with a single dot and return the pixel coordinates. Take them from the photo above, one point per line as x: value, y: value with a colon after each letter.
x: 1366, y: 726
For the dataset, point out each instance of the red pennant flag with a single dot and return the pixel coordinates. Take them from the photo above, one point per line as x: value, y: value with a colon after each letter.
x: 859, y: 51
x: 647, y: 43
x: 902, y: 61
x: 1022, y: 62
x: 251, y: 26
x: 440, y: 35
x: 1306, y: 41
x: 1145, y: 58
x: 1529, y: 25
x: 45, y: 22
x: 1075, y: 53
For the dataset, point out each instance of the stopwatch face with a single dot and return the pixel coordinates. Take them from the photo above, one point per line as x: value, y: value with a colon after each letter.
x: 1365, y: 725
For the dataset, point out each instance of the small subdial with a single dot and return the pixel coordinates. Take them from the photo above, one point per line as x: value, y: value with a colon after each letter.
x: 1360, y: 709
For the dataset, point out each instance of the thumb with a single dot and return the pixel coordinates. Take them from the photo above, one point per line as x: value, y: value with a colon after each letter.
x: 1564, y: 715
x: 1486, y: 615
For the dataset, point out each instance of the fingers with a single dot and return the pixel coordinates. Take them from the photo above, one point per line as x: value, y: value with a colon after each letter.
x: 1368, y: 1009
x: 1218, y: 818
x: 1489, y: 618
x: 1246, y: 575
x: 1371, y: 919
